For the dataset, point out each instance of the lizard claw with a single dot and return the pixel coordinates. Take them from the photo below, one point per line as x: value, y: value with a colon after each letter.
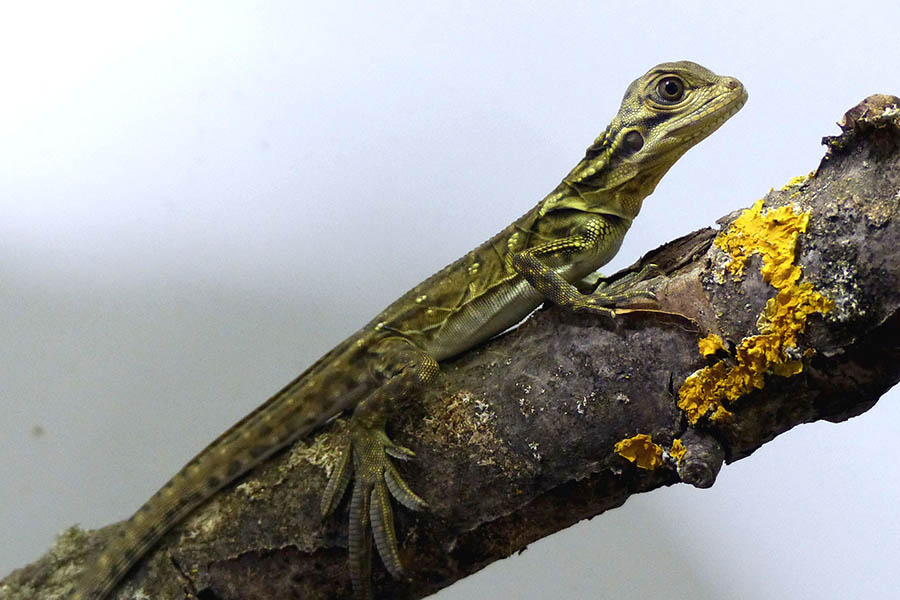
x: 607, y: 294
x: 395, y: 450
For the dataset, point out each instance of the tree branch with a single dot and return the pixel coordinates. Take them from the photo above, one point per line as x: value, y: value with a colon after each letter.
x: 520, y: 440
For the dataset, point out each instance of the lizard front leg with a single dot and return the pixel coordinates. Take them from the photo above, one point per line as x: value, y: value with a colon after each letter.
x: 605, y: 295
x: 404, y: 369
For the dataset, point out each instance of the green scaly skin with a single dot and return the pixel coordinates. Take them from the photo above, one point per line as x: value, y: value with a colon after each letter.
x: 546, y: 254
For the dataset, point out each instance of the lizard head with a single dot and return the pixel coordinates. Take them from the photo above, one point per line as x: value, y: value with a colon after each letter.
x: 670, y: 109
x: 664, y: 113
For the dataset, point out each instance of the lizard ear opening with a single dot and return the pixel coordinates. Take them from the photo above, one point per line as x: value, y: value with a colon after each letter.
x: 634, y: 141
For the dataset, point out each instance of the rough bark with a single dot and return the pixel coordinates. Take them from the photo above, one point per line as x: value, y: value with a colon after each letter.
x: 518, y: 440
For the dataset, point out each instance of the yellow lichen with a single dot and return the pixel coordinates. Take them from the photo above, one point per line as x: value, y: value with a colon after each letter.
x: 640, y: 450
x: 711, y: 344
x: 796, y: 181
x: 787, y: 312
x: 773, y: 236
x: 678, y: 450
x: 721, y: 415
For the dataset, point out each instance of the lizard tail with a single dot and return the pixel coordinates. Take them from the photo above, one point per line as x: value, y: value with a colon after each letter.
x: 287, y: 416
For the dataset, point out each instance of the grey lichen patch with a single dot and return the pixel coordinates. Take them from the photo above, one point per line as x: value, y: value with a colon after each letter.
x: 251, y: 489
x: 720, y: 261
x: 879, y: 214
x: 842, y: 285
x: 854, y: 193
x: 527, y: 409
x: 205, y: 521
x: 69, y: 543
x: 622, y: 398
x: 582, y: 404
x: 324, y: 451
x: 534, y: 447
x: 467, y: 422
x: 63, y: 563
x: 836, y: 253
x: 528, y: 405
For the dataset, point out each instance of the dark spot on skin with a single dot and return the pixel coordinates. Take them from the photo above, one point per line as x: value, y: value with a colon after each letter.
x: 257, y: 451
x: 234, y: 467
x: 214, y: 481
x: 285, y: 436
x: 652, y: 121
x: 264, y: 430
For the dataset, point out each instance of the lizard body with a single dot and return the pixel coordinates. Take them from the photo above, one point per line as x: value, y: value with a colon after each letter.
x: 541, y: 256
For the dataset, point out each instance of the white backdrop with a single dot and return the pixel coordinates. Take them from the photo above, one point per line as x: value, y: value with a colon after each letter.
x: 196, y: 203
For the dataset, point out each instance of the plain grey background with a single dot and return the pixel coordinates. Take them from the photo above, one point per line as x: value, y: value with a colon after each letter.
x: 197, y: 202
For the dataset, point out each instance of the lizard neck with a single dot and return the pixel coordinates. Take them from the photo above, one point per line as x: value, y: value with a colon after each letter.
x: 630, y: 205
x: 623, y: 198
x: 626, y: 199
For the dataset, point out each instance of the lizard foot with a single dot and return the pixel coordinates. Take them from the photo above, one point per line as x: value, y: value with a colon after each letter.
x: 371, y: 516
x: 607, y: 294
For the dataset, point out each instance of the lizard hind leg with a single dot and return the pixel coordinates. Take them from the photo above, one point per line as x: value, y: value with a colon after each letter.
x: 366, y: 460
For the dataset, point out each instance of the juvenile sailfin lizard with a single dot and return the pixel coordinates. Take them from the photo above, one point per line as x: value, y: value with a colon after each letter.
x: 543, y: 255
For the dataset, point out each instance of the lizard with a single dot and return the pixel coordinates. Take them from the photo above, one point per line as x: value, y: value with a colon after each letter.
x: 547, y: 254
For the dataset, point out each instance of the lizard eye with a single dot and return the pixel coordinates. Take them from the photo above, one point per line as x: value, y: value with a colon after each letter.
x: 670, y: 89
